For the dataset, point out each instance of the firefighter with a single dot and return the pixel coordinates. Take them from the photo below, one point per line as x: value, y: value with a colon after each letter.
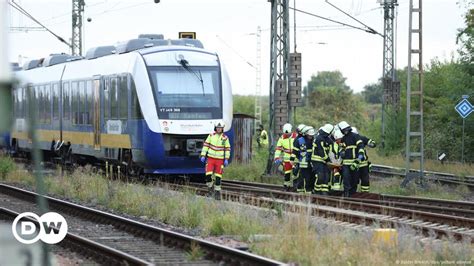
x: 283, y: 153
x: 215, y: 154
x: 364, y: 167
x: 352, y: 155
x: 262, y: 137
x: 296, y: 167
x: 302, y: 149
x: 299, y: 130
x: 336, y: 160
x: 319, y: 158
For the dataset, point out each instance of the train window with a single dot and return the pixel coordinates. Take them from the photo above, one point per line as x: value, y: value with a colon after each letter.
x: 88, y: 110
x: 123, y: 97
x: 113, y: 98
x: 55, y: 101
x: 15, y: 103
x: 82, y: 103
x: 19, y: 101
x: 66, y: 101
x: 107, y: 98
x: 134, y: 104
x: 47, y: 104
x: 41, y: 104
x: 74, y: 102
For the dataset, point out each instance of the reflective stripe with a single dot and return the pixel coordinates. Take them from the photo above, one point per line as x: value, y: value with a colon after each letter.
x: 318, y: 159
x: 216, y: 146
x: 217, y: 188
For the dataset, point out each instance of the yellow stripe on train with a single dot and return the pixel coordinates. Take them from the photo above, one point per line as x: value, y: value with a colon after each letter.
x: 80, y: 138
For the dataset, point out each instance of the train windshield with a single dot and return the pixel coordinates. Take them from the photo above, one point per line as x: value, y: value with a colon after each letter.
x: 185, y: 91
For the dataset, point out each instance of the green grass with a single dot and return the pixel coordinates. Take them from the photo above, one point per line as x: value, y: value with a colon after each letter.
x: 309, y: 243
x: 430, y: 165
x: 391, y: 186
x: 296, y: 238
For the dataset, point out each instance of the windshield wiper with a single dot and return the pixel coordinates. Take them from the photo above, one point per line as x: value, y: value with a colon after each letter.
x: 185, y: 64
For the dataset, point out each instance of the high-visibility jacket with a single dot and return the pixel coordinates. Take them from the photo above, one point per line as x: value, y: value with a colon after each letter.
x: 264, y: 137
x: 365, y: 141
x: 321, y: 148
x: 334, y: 154
x: 302, y: 148
x: 285, y: 146
x: 216, y: 146
x: 353, y: 147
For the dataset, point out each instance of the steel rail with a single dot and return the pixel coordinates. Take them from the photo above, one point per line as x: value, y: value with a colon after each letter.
x: 101, y: 253
x: 211, y: 250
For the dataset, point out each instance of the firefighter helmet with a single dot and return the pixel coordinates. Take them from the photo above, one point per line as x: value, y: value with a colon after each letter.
x: 344, y: 126
x: 300, y: 128
x: 309, y: 131
x: 219, y: 124
x: 337, y: 134
x: 354, y: 129
x: 287, y: 128
x: 327, y: 128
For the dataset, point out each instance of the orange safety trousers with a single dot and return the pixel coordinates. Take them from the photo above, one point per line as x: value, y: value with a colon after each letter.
x: 214, y: 166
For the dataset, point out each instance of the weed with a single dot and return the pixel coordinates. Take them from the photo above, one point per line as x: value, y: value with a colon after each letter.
x: 195, y: 253
x: 6, y: 166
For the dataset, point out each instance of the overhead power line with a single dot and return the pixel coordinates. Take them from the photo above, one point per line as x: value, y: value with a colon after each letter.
x: 335, y: 21
x: 24, y: 12
x: 370, y: 30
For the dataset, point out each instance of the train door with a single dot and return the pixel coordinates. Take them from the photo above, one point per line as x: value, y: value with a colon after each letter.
x: 96, y: 120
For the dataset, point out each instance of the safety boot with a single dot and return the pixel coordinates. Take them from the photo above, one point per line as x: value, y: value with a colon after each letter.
x: 217, y: 195
x: 210, y: 192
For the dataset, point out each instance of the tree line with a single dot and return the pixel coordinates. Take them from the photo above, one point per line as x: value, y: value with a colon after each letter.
x: 329, y: 100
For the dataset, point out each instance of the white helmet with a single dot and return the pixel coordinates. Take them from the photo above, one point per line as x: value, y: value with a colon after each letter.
x: 343, y: 125
x: 354, y: 129
x: 337, y: 133
x: 327, y: 128
x: 300, y: 127
x: 309, y: 131
x: 287, y: 128
x: 219, y: 124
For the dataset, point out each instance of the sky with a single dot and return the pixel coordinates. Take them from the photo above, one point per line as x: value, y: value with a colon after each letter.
x: 229, y: 28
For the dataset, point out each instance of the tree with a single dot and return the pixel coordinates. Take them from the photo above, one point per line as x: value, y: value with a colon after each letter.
x: 326, y: 79
x: 373, y: 93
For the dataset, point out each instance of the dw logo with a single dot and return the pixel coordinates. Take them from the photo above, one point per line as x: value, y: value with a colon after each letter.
x: 52, y: 228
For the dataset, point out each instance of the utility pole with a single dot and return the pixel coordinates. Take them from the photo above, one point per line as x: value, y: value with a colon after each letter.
x: 391, y: 87
x: 279, y: 57
x: 76, y: 40
x: 414, y: 128
x: 258, y: 87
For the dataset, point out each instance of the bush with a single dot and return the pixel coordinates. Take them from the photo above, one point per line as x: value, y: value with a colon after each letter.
x: 6, y: 166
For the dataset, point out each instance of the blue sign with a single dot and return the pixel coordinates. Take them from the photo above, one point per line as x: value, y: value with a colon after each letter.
x: 464, y: 108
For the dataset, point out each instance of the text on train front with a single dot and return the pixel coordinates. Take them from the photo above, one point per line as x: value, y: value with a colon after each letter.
x: 189, y: 87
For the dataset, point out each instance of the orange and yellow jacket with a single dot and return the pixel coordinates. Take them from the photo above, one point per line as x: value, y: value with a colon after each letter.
x: 285, y: 146
x: 216, y: 146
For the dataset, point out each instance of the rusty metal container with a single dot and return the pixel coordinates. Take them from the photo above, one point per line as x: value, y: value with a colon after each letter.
x: 243, y: 135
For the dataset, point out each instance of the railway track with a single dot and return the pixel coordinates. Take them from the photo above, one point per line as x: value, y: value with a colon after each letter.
x: 147, y: 243
x: 447, y: 207
x: 93, y: 250
x: 443, y: 178
x: 355, y: 210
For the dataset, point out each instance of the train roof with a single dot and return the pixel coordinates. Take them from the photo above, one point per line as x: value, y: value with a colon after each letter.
x: 143, y: 42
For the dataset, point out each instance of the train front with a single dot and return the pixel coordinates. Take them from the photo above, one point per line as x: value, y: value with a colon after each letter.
x: 192, y: 92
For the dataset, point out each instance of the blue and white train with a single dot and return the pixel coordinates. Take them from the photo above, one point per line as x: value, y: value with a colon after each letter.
x: 146, y: 103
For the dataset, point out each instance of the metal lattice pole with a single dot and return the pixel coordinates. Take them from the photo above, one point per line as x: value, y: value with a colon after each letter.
x: 77, y: 12
x: 258, y: 85
x: 414, y: 129
x: 279, y: 57
x: 391, y: 89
